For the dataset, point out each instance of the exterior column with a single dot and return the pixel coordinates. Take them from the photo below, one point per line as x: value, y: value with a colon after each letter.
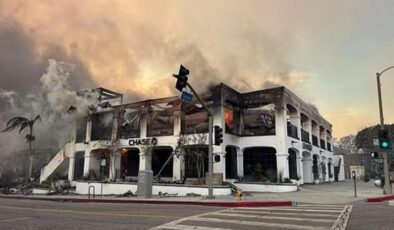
x: 178, y: 168
x: 300, y: 170
x: 86, y: 165
x: 282, y: 162
x: 145, y: 153
x: 178, y: 162
x: 117, y: 165
x: 71, y: 166
x: 240, y: 163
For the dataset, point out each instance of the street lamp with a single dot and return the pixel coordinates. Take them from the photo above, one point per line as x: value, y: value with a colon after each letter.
x: 387, y: 187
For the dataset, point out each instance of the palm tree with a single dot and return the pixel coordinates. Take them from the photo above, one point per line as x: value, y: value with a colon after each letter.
x: 22, y: 123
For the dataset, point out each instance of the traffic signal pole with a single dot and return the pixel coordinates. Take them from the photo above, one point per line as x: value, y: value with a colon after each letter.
x: 210, y: 144
x: 180, y: 85
x: 387, y: 186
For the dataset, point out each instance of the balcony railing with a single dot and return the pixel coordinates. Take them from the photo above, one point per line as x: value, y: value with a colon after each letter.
x: 329, y: 146
x: 292, y: 131
x: 315, y: 141
x: 305, y: 136
x: 322, y: 144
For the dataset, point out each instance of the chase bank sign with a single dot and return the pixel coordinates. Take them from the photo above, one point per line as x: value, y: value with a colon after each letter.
x: 143, y: 141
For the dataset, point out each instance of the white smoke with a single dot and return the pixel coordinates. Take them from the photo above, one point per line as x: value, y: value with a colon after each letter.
x: 54, y: 100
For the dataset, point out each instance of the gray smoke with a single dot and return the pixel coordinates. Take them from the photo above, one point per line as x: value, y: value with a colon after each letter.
x: 51, y: 100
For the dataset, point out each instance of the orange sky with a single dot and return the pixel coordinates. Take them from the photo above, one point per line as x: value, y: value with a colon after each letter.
x: 317, y: 50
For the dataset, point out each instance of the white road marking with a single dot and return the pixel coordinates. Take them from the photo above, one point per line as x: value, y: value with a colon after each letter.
x: 185, y: 227
x: 294, y: 210
x: 16, y: 219
x: 299, y: 217
x: 281, y: 213
x: 255, y: 223
x: 274, y: 217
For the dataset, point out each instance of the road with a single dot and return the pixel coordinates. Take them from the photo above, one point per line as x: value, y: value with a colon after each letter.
x: 29, y: 214
x: 371, y: 216
x: 304, y: 217
x: 42, y: 215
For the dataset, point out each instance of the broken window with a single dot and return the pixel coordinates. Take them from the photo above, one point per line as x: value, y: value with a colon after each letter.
x: 130, y: 124
x: 232, y: 120
x: 102, y: 126
x: 259, y: 121
x: 194, y: 120
x: 81, y: 131
x: 161, y: 121
x: 260, y: 164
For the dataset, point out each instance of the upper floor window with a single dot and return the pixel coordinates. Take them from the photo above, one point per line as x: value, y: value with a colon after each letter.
x: 259, y: 121
x: 130, y: 124
x: 194, y: 120
x: 81, y: 130
x: 161, y: 121
x: 232, y: 120
x: 102, y: 126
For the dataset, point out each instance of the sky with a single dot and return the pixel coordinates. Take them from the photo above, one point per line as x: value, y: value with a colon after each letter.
x: 327, y: 52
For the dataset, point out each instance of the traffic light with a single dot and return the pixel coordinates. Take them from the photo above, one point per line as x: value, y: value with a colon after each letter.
x: 218, y: 135
x: 181, y: 78
x: 384, y: 139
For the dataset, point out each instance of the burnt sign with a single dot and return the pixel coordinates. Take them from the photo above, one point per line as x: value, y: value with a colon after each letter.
x: 143, y: 141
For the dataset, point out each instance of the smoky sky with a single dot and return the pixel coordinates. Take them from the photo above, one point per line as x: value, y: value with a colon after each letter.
x: 21, y: 66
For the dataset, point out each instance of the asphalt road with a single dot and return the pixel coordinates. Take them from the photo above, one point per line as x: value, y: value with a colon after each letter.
x: 371, y: 216
x: 29, y: 214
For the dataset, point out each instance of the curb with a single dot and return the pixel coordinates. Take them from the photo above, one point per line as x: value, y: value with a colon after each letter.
x: 173, y: 202
x: 381, y: 198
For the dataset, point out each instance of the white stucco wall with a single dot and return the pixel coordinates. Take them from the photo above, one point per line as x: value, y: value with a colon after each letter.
x: 250, y: 187
x: 118, y: 189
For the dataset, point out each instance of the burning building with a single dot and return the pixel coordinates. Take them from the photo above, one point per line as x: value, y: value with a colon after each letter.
x: 270, y: 135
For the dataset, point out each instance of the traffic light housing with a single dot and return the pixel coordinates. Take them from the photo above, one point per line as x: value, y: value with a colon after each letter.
x: 375, y: 155
x: 218, y: 135
x: 384, y: 139
x: 181, y: 78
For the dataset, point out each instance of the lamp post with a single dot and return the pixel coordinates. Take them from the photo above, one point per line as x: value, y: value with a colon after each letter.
x: 387, y: 187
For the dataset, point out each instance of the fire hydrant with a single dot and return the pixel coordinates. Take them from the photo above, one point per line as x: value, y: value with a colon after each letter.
x: 239, y: 194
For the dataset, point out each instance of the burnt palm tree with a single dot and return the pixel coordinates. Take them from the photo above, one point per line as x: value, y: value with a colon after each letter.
x: 23, y: 123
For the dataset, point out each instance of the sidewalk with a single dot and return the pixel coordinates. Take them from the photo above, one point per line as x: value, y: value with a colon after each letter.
x: 333, y: 193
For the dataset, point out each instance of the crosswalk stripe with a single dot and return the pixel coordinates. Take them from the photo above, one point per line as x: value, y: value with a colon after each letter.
x: 301, y: 217
x: 281, y: 213
x: 255, y: 223
x: 273, y: 217
x: 293, y: 210
x: 185, y: 227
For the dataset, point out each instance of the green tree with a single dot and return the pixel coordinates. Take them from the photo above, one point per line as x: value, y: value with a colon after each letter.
x: 364, y: 138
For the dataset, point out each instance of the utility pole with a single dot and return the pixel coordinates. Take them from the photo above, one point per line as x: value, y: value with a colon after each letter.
x: 387, y: 186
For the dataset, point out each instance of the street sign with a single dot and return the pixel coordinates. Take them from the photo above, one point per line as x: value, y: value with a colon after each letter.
x: 376, y: 142
x: 188, y: 97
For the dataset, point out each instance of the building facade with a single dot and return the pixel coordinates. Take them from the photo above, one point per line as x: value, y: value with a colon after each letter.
x: 269, y: 135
